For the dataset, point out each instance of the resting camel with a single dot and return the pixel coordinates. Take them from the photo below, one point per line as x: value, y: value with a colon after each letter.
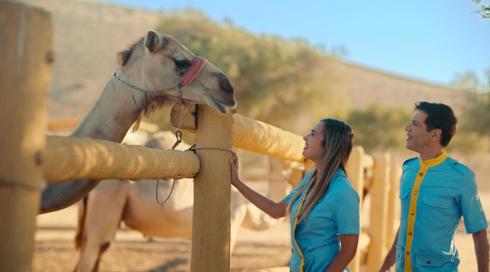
x: 154, y: 70
x: 134, y: 203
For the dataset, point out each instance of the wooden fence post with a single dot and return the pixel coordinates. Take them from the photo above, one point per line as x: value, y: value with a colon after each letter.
x: 211, y: 215
x: 378, y: 211
x: 356, y: 175
x: 26, y: 38
x: 393, y: 204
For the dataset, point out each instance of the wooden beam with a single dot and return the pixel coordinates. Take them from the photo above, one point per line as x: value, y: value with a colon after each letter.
x: 249, y: 134
x: 68, y: 158
x: 378, y: 211
x: 26, y: 37
x: 355, y: 172
x: 211, y: 214
x: 393, y: 203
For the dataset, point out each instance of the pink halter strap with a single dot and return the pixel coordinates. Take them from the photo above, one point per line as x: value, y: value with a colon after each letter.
x: 198, y: 64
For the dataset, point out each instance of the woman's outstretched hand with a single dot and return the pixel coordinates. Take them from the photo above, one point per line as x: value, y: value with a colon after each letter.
x: 234, y: 169
x: 268, y: 206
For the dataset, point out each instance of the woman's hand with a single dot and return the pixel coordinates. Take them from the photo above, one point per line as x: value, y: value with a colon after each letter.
x: 276, y: 210
x: 234, y: 169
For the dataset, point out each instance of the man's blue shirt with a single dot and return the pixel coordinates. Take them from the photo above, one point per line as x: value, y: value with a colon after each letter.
x: 447, y: 192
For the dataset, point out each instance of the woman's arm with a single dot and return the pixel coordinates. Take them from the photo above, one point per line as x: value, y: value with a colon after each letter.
x: 274, y: 209
x: 347, y: 252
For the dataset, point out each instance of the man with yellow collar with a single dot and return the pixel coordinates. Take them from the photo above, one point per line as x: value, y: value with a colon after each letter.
x: 435, y: 192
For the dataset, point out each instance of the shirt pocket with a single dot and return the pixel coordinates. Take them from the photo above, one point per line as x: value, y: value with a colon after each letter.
x: 433, y: 260
x: 438, y: 201
x: 440, y: 210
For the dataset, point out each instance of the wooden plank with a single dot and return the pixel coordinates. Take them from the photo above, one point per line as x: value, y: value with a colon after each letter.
x: 70, y: 158
x: 211, y: 214
x: 378, y: 211
x: 355, y: 172
x: 249, y: 134
x: 25, y: 73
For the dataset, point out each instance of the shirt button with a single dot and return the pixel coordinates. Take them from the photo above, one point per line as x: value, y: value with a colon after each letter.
x: 412, y: 213
x: 428, y: 262
x: 408, y: 253
x: 421, y: 174
x: 410, y: 233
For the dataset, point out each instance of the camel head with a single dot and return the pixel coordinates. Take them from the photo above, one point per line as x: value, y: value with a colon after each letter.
x: 157, y: 64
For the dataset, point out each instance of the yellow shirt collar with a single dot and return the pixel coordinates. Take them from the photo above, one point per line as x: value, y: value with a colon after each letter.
x: 435, y: 161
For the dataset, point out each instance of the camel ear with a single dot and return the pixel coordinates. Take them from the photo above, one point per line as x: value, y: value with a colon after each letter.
x: 123, y: 57
x: 152, y: 41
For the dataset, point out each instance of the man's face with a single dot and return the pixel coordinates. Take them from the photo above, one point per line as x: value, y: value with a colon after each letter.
x: 418, y: 138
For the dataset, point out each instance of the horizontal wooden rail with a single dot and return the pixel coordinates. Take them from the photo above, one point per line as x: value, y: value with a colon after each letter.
x: 68, y: 158
x: 249, y: 134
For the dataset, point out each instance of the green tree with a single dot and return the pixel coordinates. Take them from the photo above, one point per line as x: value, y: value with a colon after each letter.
x: 474, y: 124
x: 476, y: 115
x: 467, y: 81
x: 276, y: 80
x: 484, y: 9
x: 379, y: 127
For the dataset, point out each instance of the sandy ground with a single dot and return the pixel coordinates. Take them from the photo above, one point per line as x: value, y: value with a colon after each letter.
x: 54, y: 250
x: 131, y: 252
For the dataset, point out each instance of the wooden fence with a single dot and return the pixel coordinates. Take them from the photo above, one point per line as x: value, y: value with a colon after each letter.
x: 29, y: 159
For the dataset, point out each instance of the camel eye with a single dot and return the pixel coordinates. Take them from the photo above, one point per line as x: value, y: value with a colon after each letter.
x: 182, y: 64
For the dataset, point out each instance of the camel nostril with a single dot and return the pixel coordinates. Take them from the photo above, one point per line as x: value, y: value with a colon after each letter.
x: 225, y: 84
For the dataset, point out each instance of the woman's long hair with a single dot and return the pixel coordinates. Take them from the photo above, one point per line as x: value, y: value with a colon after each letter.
x: 337, y: 146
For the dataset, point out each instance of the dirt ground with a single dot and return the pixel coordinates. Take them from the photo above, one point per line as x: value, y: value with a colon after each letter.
x: 54, y: 249
x: 55, y: 252
x: 155, y: 256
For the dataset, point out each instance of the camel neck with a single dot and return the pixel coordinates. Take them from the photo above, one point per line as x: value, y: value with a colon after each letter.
x: 113, y: 114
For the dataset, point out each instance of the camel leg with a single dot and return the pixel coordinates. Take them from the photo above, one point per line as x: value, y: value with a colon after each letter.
x: 103, y: 211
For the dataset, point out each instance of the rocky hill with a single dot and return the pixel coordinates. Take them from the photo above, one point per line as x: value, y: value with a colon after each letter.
x: 89, y: 34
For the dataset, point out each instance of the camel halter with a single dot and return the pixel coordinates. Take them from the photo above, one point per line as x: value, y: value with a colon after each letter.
x: 198, y: 63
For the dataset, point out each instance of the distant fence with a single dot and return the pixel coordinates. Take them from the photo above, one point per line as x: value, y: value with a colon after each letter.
x: 28, y: 159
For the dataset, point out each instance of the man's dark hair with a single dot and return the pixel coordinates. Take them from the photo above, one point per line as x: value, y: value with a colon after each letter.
x: 439, y: 116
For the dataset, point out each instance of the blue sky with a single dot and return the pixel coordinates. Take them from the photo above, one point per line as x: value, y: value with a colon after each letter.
x: 432, y: 40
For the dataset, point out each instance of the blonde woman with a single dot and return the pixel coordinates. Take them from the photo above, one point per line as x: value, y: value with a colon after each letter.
x: 323, y: 208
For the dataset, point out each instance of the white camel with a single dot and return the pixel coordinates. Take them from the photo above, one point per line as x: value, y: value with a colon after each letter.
x: 134, y: 203
x: 154, y: 70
